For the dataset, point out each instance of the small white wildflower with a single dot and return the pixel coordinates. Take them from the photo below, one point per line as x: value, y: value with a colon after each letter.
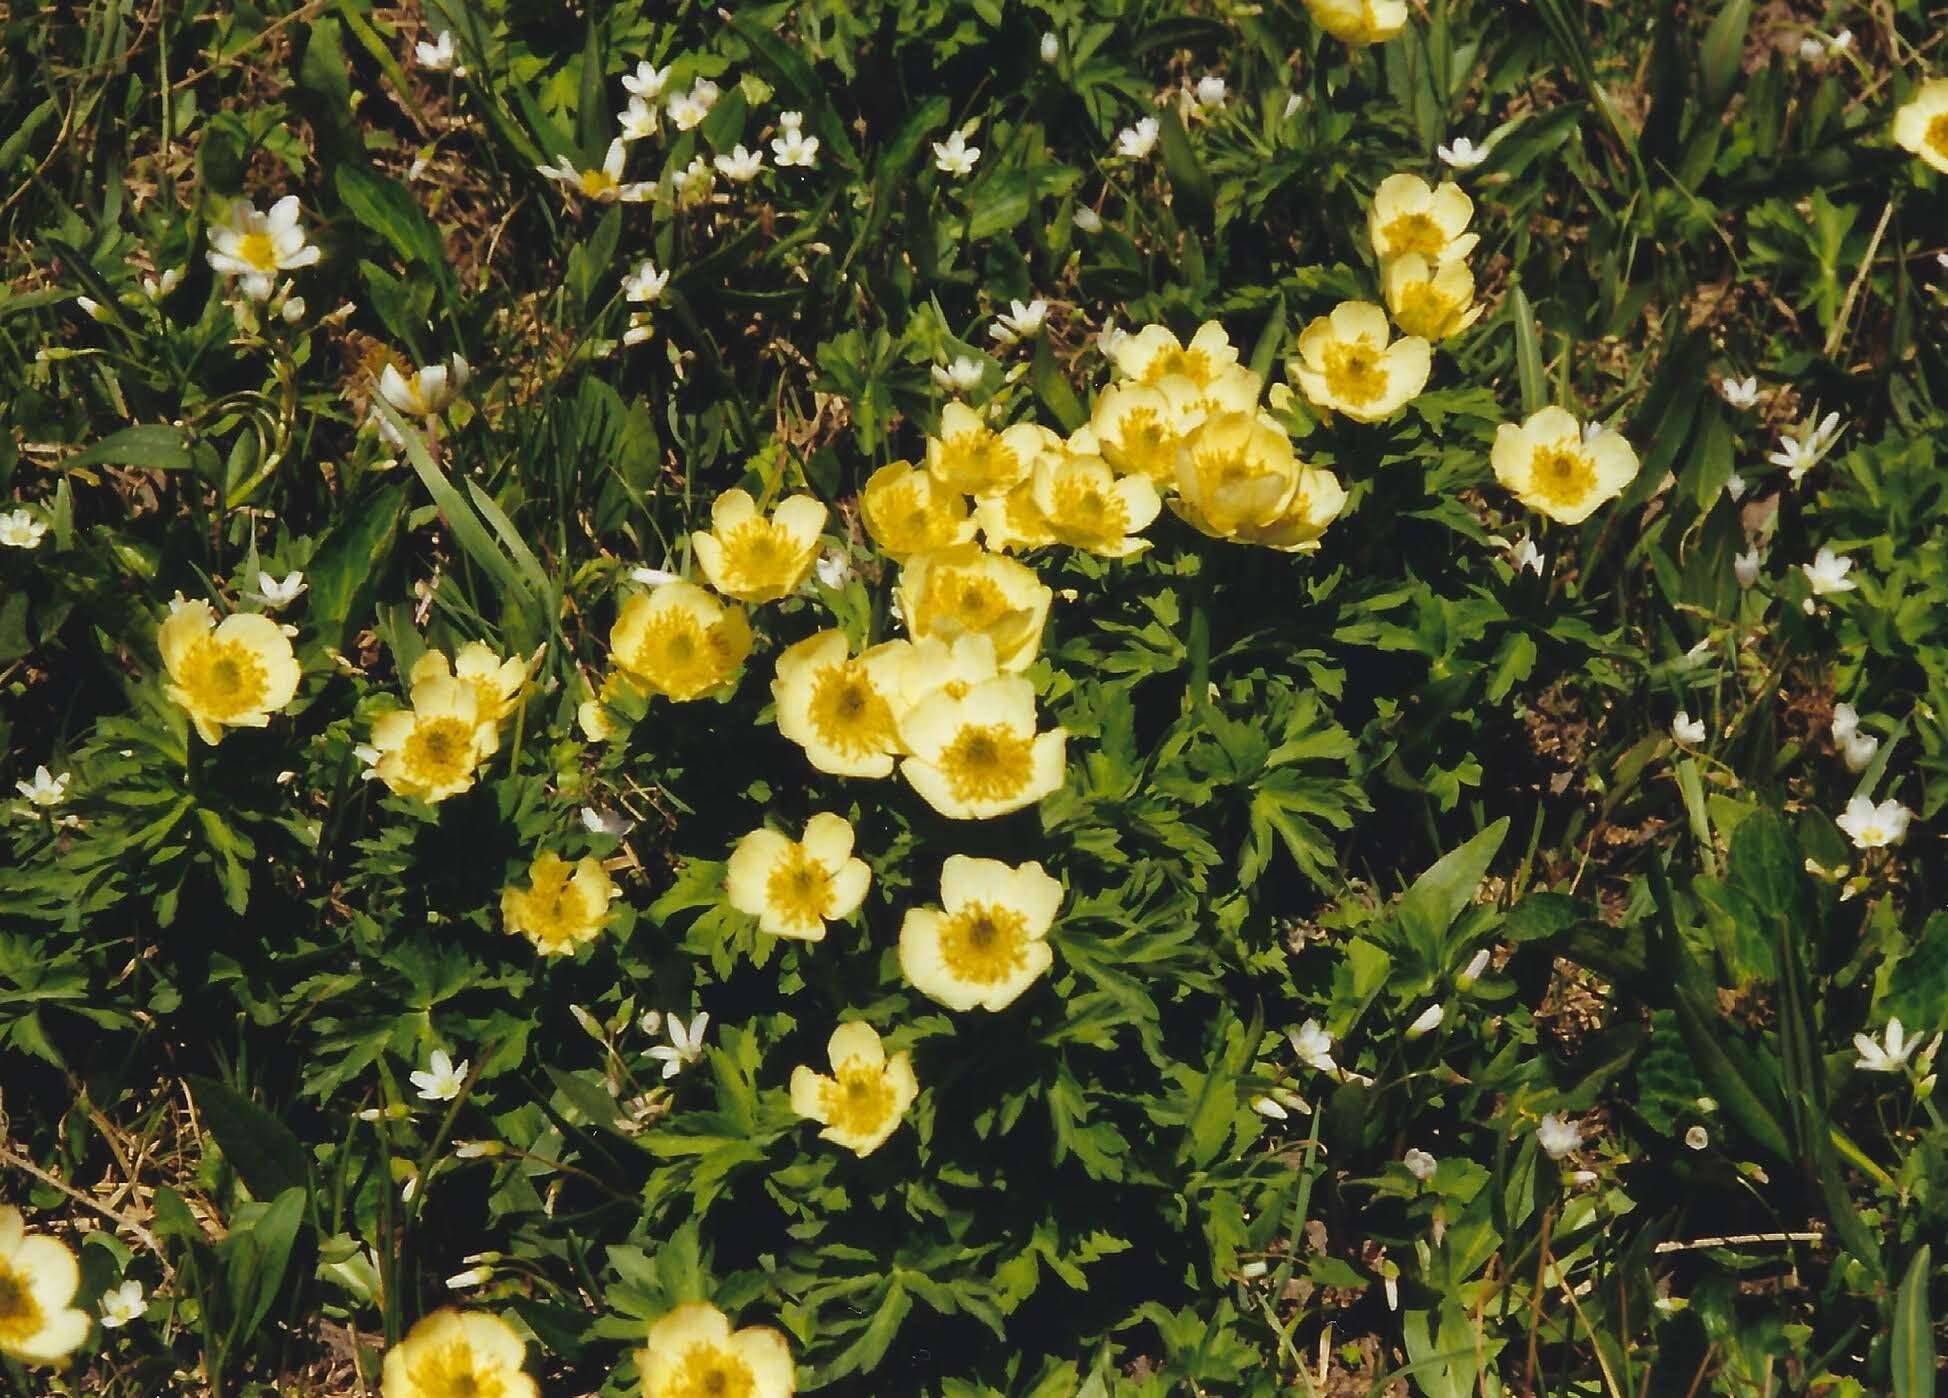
x: 600, y: 822
x: 155, y: 288
x: 476, y: 1150
x: 688, y: 109
x: 792, y: 146
x: 646, y: 283
x: 1525, y: 554
x: 1471, y: 973
x: 1697, y: 1138
x: 638, y: 120
x: 1419, y: 1163
x: 472, y: 1277
x: 1252, y: 1271
x: 962, y: 376
x: 1735, y: 487
x: 1087, y: 219
x: 1888, y: 1056
x: 45, y: 790
x: 439, y: 56
x: 832, y: 569
x: 292, y: 310
x: 442, y: 1078
x: 1135, y: 142
x: 1426, y: 1021
x: 1269, y: 1107
x: 1686, y: 729
x: 1293, y: 106
x: 21, y: 530
x: 1874, y: 827
x: 91, y: 308
x: 1740, y: 393
x: 280, y: 594
x: 685, y: 1045
x: 1828, y: 573
x: 427, y: 391
x: 1051, y: 48
x: 739, y: 165
x: 122, y: 1305
x: 1021, y: 321
x: 954, y: 156
x: 653, y: 577
x: 1462, y: 155
x: 696, y: 182
x: 1314, y: 1046
x: 1557, y: 1136
x: 1858, y: 751
x: 1745, y: 567
x: 1846, y: 722
x: 1209, y: 91
x: 1811, y: 49
x: 647, y: 81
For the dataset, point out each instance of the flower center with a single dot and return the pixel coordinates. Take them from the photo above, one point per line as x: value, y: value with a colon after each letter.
x: 709, y: 1372
x: 1562, y: 474
x: 799, y: 889
x: 678, y: 655
x: 984, y: 943
x: 20, y: 1313
x: 978, y: 463
x: 1417, y: 232
x: 1938, y: 134
x: 1193, y: 364
x: 597, y: 183
x: 848, y: 713
x: 1425, y: 311
x: 223, y: 679
x: 760, y: 554
x: 859, y: 1100
x: 987, y: 761
x: 440, y: 751
x: 259, y: 250
x: 967, y: 601
x: 1145, y: 447
x: 553, y: 910
x: 1354, y: 372
x: 452, y: 1374
x: 1084, y: 509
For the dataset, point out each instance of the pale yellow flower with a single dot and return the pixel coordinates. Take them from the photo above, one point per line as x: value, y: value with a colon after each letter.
x: 1345, y: 363
x: 692, y: 1353
x: 1013, y: 522
x: 1087, y: 506
x: 907, y: 513
x: 1153, y: 354
x: 1138, y: 431
x: 962, y: 589
x: 861, y: 1104
x: 431, y: 749
x: 1408, y: 216
x: 1921, y: 126
x: 679, y: 641
x: 1314, y: 505
x: 1232, y: 390
x: 496, y: 682
x: 1430, y: 300
x: 932, y: 665
x: 985, y: 944
x: 1237, y: 476
x: 233, y: 673
x: 454, y: 1352
x: 794, y: 887
x: 563, y: 906
x: 1553, y: 467
x: 971, y: 458
x: 38, y: 1279
x: 977, y: 755
x: 755, y: 559
x: 1359, y: 22
x: 839, y: 707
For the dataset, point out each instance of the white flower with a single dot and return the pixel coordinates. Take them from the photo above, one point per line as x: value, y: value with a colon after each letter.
x: 1808, y: 445
x: 1051, y: 48
x: 600, y: 822
x: 740, y: 166
x: 647, y: 81
x: 1858, y: 750
x: 1139, y: 140
x: 1271, y: 1108
x: 1525, y: 554
x: 428, y: 391
x: 954, y: 156
x: 832, y: 569
x: 473, y: 1276
x: 693, y: 186
x: 91, y: 308
x: 962, y: 376
x: 255, y: 247
x: 1472, y: 971
x: 1697, y: 1138
x: 1846, y: 722
x: 792, y: 146
x: 1087, y: 219
x: 1840, y: 42
x: 1874, y: 827
x: 1740, y: 393
x: 1811, y: 49
x: 276, y: 594
x: 642, y: 326
x: 646, y: 283
x: 292, y: 310
x: 1419, y: 1163
x: 155, y: 288
x: 475, y: 1150
x: 1426, y: 1021
x: 1252, y: 1271
x: 1735, y: 487
x: 1828, y: 573
x: 1687, y: 729
x: 122, y: 1305
x: 1889, y: 1056
x: 638, y: 120
x: 603, y: 185
x: 1557, y: 1137
x: 1296, y: 104
x: 1209, y: 91
x: 1110, y: 339
x: 46, y: 789
x: 1314, y: 1046
x: 21, y: 530
x: 1021, y: 321
x: 1745, y: 567
x: 438, y: 56
x: 442, y: 1079
x: 1462, y: 155
x: 653, y: 577
x: 685, y: 1045
x: 688, y: 109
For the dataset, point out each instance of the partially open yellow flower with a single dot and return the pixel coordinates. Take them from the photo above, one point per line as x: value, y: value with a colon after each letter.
x: 933, y: 665
x: 1346, y: 364
x: 861, y: 1104
x: 984, y: 945
x: 755, y: 559
x: 1237, y: 475
x: 839, y: 707
x: 794, y: 887
x: 1232, y: 390
x: 1153, y: 354
x: 692, y: 1353
x: 1408, y: 216
x: 1138, y: 431
x: 453, y: 1352
x: 1921, y: 126
x: 496, y: 683
x: 1087, y: 506
x: 679, y: 641
x: 1428, y: 299
x: 431, y: 749
x: 1012, y: 522
x: 563, y: 906
x: 233, y: 673
x: 957, y: 590
x: 1553, y: 467
x: 971, y: 458
x: 1359, y: 22
x: 38, y: 1278
x: 907, y: 513
x: 977, y: 754
x: 1314, y: 505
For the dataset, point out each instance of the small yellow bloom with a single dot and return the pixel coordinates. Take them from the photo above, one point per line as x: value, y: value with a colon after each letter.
x: 1550, y: 465
x: 233, y: 673
x: 693, y: 1354
x: 1921, y: 126
x: 1346, y: 364
x: 971, y: 458
x: 977, y: 754
x: 839, y: 707
x: 861, y: 1104
x: 1237, y: 475
x: 563, y: 906
x: 1013, y: 522
x: 1430, y: 300
x: 985, y: 944
x: 431, y: 749
x: 496, y: 683
x: 1138, y: 431
x: 906, y: 513
x: 1087, y: 506
x: 1153, y: 354
x: 38, y: 1278
x: 679, y: 641
x: 755, y: 559
x: 962, y: 589
x: 453, y: 1352
x: 794, y: 887
x: 1407, y: 216
x: 1359, y: 22
x: 933, y: 665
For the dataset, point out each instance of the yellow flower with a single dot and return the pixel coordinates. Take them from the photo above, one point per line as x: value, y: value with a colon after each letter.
x: 838, y: 707
x: 1346, y: 364
x: 431, y: 750
x: 794, y: 887
x: 693, y: 1354
x: 984, y: 945
x: 861, y: 1104
x: 1088, y: 507
x: 233, y: 673
x: 1233, y: 390
x: 38, y: 1278
x: 1237, y: 475
x: 453, y: 1352
x: 679, y: 641
x: 755, y: 559
x: 933, y: 665
x: 1359, y: 22
x: 563, y: 905
x: 496, y: 683
x: 964, y: 589
x: 977, y: 754
x: 1153, y: 354
x: 1013, y: 521
x: 1138, y: 432
x: 1551, y: 466
x: 969, y: 457
x: 1430, y: 300
x: 1407, y: 216
x: 1314, y: 505
x: 1922, y: 125
x: 906, y: 513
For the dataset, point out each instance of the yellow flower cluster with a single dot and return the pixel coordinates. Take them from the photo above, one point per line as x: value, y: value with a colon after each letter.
x: 432, y: 749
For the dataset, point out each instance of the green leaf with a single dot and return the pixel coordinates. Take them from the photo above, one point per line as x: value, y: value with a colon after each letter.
x: 388, y: 208
x: 1767, y: 865
x: 1190, y: 182
x: 1723, y: 51
x: 1052, y: 387
x: 1528, y: 352
x: 1912, y: 1350
x: 1439, y: 895
x: 265, y: 1153
x: 345, y: 569
x: 155, y: 447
